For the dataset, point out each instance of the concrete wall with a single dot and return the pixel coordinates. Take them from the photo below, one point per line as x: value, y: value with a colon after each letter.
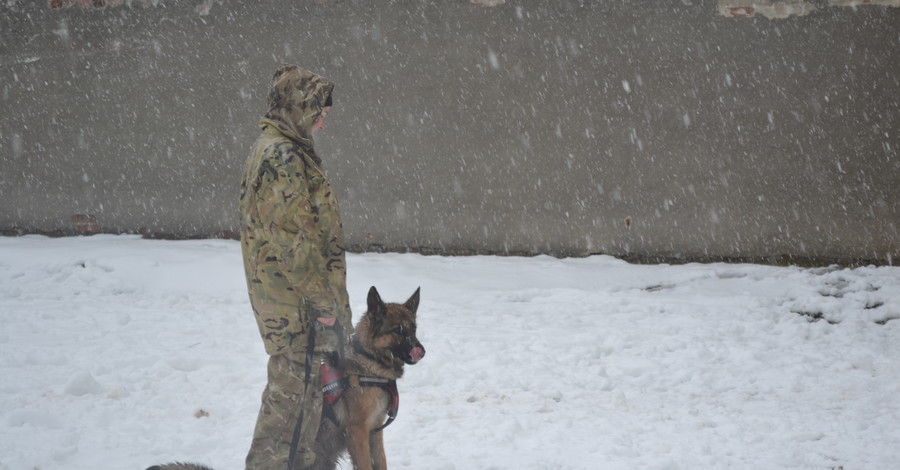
x: 654, y: 128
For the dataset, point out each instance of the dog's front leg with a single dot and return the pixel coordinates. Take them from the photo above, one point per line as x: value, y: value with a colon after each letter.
x: 360, y: 452
x: 376, y: 447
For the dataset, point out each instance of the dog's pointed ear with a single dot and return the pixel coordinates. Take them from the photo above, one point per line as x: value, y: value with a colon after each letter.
x: 413, y: 303
x: 376, y: 305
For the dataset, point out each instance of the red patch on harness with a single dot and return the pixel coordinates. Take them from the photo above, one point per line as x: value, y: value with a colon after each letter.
x: 332, y: 384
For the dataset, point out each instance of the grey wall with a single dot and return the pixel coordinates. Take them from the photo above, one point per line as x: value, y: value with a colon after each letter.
x: 650, y: 128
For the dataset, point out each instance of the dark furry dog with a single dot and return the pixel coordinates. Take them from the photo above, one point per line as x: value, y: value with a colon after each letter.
x: 362, y: 396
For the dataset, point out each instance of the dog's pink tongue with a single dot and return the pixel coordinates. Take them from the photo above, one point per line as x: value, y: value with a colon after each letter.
x: 416, y: 354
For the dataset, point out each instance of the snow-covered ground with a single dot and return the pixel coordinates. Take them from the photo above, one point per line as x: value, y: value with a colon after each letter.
x: 118, y: 353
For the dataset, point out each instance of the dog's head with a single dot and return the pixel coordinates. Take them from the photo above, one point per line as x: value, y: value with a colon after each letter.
x: 393, y: 327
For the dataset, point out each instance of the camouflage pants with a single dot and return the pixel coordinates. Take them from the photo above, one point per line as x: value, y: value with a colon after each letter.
x: 290, y: 412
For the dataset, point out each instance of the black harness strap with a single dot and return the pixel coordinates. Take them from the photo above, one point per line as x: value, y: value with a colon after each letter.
x: 334, y: 387
x: 390, y: 386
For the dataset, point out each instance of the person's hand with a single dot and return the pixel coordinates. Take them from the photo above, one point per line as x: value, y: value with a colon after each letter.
x: 326, y: 337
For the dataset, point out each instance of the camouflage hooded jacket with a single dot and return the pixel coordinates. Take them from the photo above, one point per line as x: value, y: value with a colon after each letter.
x: 291, y: 233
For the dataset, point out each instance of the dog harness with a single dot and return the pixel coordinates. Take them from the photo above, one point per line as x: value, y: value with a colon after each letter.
x: 334, y: 382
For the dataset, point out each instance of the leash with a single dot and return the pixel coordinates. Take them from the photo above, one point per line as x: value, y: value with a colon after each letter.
x: 323, y: 323
x: 295, y: 437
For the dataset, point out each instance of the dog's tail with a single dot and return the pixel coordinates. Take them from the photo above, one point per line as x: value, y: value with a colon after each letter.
x: 179, y: 466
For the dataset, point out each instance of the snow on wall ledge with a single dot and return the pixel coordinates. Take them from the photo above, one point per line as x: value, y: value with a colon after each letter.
x: 563, y: 127
x: 780, y: 9
x: 203, y: 7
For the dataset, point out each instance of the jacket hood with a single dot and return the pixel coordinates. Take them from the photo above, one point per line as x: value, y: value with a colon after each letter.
x: 296, y: 99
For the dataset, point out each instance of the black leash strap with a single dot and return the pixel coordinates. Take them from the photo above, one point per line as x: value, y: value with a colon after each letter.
x: 295, y: 439
x: 339, y: 331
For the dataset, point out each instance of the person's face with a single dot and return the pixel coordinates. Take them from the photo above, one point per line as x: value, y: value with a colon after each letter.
x: 319, y: 125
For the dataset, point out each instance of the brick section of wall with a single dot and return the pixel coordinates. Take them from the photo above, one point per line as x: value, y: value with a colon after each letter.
x: 90, y: 3
x: 203, y: 8
x: 85, y: 223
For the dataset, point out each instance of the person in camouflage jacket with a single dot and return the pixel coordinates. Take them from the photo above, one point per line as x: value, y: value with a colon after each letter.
x: 293, y: 247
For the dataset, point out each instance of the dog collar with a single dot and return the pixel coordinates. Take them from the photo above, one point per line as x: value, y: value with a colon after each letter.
x: 358, y: 349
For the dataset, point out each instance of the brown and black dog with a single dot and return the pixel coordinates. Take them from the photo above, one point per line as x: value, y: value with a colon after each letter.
x: 383, y: 342
x: 362, y: 397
